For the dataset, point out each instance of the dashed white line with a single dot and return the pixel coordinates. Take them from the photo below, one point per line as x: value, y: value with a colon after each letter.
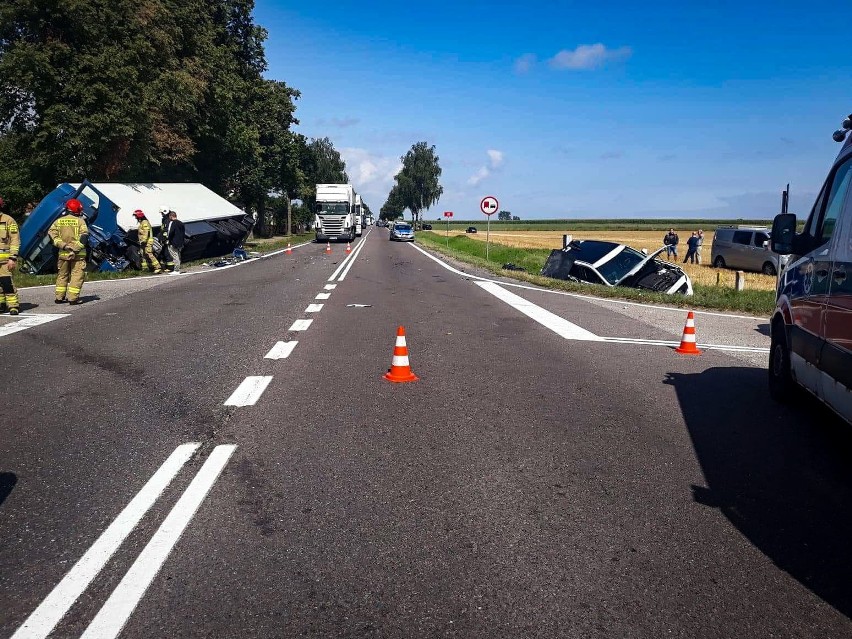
x: 330, y: 287
x: 322, y: 296
x: 249, y: 391
x: 281, y: 350
x: 313, y: 308
x: 301, y: 325
x: 114, y: 614
x: 44, y: 618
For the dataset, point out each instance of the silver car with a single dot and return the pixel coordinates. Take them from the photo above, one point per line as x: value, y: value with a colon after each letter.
x: 746, y: 248
x: 401, y: 231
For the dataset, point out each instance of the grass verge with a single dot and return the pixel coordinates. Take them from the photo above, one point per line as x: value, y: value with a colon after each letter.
x: 462, y: 248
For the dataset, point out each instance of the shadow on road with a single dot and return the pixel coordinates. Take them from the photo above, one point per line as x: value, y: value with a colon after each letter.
x: 763, y: 329
x: 7, y: 485
x: 781, y: 475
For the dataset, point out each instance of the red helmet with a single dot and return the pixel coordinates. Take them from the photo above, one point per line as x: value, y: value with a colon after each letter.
x: 74, y: 206
x: 138, y: 214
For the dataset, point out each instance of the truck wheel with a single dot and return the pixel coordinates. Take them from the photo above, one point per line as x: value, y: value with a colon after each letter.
x: 781, y: 384
x: 768, y: 269
x: 134, y: 256
x: 719, y: 262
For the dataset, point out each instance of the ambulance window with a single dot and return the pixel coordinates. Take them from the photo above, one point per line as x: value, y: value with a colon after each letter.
x: 836, y: 200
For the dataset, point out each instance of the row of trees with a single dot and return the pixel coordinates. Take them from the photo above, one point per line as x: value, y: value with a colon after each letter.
x: 417, y: 186
x: 151, y: 90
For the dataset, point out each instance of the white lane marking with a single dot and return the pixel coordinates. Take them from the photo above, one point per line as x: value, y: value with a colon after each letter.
x: 330, y: 287
x: 577, y: 295
x: 322, y: 296
x: 301, y: 325
x: 313, y: 308
x: 44, y: 618
x: 249, y: 391
x: 544, y: 317
x: 342, y: 265
x: 29, y: 321
x: 351, y: 262
x: 675, y: 344
x: 113, y: 616
x: 281, y: 350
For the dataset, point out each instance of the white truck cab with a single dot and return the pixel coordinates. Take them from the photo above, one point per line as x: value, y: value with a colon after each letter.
x: 334, y: 217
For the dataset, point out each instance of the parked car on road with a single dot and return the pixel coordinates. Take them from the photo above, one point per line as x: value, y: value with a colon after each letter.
x: 613, y: 264
x: 746, y: 248
x: 470, y: 229
x: 811, y: 328
x: 401, y: 231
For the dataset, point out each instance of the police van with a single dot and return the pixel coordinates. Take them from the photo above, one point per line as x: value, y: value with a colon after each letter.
x: 812, y: 323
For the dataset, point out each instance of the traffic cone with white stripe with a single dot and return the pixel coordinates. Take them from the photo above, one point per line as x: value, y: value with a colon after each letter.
x: 328, y: 248
x: 400, y: 370
x: 687, y: 342
x: 348, y: 248
x: 289, y: 250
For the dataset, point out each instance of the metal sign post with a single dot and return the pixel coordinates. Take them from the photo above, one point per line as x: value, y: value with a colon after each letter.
x: 448, y: 215
x: 489, y: 206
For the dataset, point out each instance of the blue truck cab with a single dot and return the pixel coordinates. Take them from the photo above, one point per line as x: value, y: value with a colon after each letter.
x: 811, y: 327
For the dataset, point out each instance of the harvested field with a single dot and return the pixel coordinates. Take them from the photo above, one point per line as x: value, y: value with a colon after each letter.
x: 651, y: 240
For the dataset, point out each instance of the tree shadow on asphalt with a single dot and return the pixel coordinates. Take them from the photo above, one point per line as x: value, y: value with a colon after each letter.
x: 7, y: 485
x: 781, y: 474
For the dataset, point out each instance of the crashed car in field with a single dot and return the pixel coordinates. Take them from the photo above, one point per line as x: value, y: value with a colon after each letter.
x: 613, y: 264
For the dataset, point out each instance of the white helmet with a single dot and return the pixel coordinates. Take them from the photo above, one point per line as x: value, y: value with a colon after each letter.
x: 164, y: 210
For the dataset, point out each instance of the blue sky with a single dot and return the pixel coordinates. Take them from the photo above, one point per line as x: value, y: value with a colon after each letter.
x: 570, y: 109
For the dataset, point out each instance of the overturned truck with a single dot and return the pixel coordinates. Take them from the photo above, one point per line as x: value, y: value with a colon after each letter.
x: 214, y: 226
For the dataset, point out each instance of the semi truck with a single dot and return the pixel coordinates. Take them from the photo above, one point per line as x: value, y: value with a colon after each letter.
x: 359, y: 216
x: 334, y: 217
x: 214, y: 226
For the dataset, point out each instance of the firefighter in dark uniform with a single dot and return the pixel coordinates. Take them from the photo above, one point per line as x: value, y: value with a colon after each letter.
x: 10, y: 245
x: 70, y: 235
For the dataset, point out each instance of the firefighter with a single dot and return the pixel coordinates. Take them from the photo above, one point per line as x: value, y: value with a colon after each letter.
x: 145, y: 235
x: 70, y: 235
x: 10, y: 244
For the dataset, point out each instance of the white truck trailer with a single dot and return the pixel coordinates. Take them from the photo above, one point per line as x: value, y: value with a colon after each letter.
x: 334, y: 217
x: 359, y: 216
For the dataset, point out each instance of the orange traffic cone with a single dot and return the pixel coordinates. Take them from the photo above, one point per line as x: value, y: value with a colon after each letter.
x: 687, y: 342
x: 348, y: 248
x: 328, y: 248
x: 289, y: 250
x: 400, y: 370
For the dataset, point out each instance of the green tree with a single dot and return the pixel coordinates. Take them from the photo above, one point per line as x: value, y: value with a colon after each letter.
x: 504, y: 216
x: 322, y: 164
x: 393, y: 206
x: 418, y: 182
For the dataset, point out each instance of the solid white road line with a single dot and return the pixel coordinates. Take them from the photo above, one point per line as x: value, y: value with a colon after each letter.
x: 44, y: 618
x: 330, y: 287
x: 342, y: 265
x: 544, y: 317
x: 249, y: 391
x: 313, y: 308
x: 675, y: 344
x: 28, y: 321
x: 351, y: 262
x: 301, y: 325
x: 322, y: 296
x: 114, y: 614
x: 281, y: 350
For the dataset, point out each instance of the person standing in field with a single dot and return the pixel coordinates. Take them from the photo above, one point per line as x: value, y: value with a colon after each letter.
x: 670, y: 241
x: 700, y: 244
x: 691, y: 248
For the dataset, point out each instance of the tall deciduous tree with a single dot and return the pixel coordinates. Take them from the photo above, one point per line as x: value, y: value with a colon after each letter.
x: 418, y: 182
x: 323, y: 164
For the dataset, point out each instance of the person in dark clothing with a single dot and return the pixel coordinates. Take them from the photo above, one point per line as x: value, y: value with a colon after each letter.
x: 173, y: 238
x: 670, y: 241
x: 691, y: 248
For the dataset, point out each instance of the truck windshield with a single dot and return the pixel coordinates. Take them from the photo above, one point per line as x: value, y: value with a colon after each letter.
x: 332, y: 208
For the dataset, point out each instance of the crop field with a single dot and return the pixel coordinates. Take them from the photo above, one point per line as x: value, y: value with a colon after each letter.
x: 639, y: 239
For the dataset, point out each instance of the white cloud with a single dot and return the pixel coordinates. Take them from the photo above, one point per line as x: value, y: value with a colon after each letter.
x: 525, y: 63
x: 495, y: 160
x: 371, y: 174
x: 588, y: 56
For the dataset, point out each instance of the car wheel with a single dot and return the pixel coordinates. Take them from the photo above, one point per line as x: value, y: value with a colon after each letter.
x: 768, y: 269
x: 781, y: 385
x: 719, y: 262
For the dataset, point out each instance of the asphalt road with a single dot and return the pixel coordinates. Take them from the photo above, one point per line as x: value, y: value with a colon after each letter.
x: 558, y: 471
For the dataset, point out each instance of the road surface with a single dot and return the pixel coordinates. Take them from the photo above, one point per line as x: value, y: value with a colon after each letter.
x: 218, y: 455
